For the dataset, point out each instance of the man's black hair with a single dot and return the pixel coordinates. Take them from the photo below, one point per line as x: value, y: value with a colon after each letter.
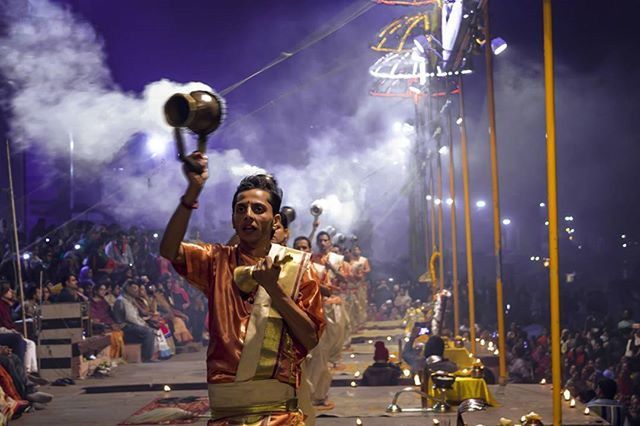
x: 434, y: 346
x: 608, y: 387
x: 264, y: 182
x: 321, y: 233
x: 301, y: 238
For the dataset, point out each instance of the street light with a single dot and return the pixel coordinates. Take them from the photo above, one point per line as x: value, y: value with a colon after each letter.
x: 481, y: 204
x: 542, y: 204
x: 498, y: 45
x: 506, y: 221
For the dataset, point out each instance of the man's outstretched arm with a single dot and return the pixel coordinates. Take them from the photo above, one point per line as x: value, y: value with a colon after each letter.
x: 170, y: 247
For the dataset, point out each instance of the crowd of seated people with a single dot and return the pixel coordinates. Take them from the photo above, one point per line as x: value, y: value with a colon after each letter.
x: 132, y: 295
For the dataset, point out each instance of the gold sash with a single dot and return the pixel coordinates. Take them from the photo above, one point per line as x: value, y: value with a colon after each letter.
x: 265, y: 331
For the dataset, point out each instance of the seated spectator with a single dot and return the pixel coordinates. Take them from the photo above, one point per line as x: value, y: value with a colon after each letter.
x: 70, y: 292
x: 381, y: 372
x: 175, y: 317
x: 520, y: 370
x: 102, y: 322
x: 9, y: 334
x: 605, y: 405
x: 134, y: 326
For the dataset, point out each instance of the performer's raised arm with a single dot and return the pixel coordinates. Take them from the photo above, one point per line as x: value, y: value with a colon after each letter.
x: 170, y: 246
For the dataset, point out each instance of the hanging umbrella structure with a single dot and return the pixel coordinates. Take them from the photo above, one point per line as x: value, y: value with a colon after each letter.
x: 398, y: 35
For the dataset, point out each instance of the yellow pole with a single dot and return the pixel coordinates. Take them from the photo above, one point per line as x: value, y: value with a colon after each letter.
x: 454, y: 232
x: 433, y: 209
x: 497, y: 234
x: 467, y: 222
x: 440, y: 219
x: 553, y: 212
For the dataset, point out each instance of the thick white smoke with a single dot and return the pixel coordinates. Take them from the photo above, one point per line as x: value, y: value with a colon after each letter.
x: 63, y: 89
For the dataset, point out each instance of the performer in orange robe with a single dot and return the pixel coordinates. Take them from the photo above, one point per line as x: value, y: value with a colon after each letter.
x: 265, y: 308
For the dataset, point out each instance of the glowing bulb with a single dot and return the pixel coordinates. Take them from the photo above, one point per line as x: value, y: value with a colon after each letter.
x: 459, y: 121
x: 47, y: 240
x: 429, y: 198
x: 546, y: 223
x: 444, y: 150
x: 406, y: 339
x: 572, y: 403
x: 352, y: 356
x: 353, y: 384
x: 356, y: 374
x: 406, y: 372
x: 167, y: 388
x: 482, y: 342
x: 370, y: 341
x: 77, y: 247
x: 586, y: 411
x: 26, y: 256
x: 449, y: 201
x: 506, y: 221
x: 543, y: 381
x: 496, y: 352
x: 156, y: 145
x: 438, y: 201
x: 388, y: 338
x: 623, y: 236
x: 566, y: 394
x: 481, y: 203
x: 155, y: 235
x: 358, y: 421
x: 542, y: 204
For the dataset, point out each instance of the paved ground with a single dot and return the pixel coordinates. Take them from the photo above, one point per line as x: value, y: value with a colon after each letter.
x: 73, y: 406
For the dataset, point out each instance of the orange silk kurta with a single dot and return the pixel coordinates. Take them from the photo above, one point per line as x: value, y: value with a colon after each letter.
x: 209, y: 267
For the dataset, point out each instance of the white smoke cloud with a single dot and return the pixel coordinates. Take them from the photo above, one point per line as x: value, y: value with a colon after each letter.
x: 64, y: 89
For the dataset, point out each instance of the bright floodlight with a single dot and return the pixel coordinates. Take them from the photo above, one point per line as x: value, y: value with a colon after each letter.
x: 429, y: 197
x: 542, y: 204
x: 26, y: 256
x: 156, y: 145
x: 449, y: 201
x: 506, y: 221
x: 444, y: 150
x: 498, y: 45
x: 481, y: 203
x: 438, y: 201
x: 77, y: 247
x: 459, y: 121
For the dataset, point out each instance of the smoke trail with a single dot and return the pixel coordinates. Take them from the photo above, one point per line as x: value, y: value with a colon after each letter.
x: 62, y: 88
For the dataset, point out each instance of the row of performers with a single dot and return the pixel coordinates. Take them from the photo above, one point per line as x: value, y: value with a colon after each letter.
x: 344, y: 286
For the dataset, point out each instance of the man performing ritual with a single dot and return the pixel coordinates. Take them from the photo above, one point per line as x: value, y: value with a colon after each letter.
x: 265, y: 309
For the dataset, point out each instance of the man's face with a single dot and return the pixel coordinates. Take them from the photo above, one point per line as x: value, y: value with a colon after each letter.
x: 324, y: 243
x: 72, y: 282
x: 281, y: 234
x: 253, y: 217
x: 133, y: 290
x: 357, y: 252
x: 9, y: 295
x: 302, y: 245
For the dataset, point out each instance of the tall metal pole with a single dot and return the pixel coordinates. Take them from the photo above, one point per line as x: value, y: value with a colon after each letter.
x: 15, y: 240
x: 467, y: 222
x: 440, y: 217
x: 454, y: 230
x: 497, y: 234
x: 553, y: 212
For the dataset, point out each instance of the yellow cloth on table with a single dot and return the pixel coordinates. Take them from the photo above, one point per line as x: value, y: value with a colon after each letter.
x: 465, y: 388
x: 460, y: 356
